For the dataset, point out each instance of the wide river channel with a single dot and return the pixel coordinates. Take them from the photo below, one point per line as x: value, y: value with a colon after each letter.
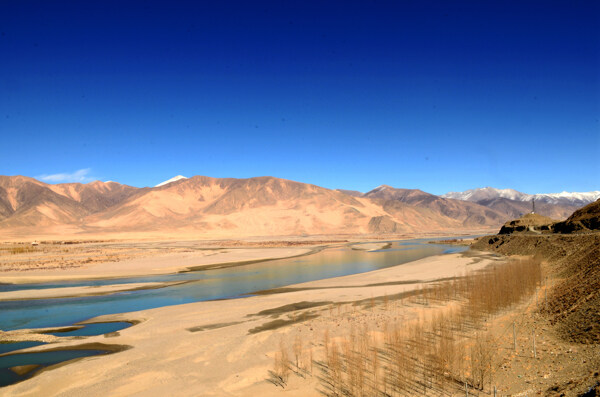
x: 224, y: 283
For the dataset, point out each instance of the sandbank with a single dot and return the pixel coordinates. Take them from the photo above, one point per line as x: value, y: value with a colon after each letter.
x: 370, y: 246
x: 161, y: 264
x: 87, y: 290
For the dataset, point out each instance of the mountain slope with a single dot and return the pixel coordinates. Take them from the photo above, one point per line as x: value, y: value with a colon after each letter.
x: 515, y: 204
x: 26, y: 201
x: 486, y: 193
x: 267, y: 205
x: 95, y: 196
x: 453, y: 213
x: 226, y: 207
x: 585, y: 219
x: 515, y: 209
x: 263, y: 205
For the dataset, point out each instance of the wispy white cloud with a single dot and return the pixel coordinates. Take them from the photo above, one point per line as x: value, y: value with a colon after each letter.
x: 82, y: 176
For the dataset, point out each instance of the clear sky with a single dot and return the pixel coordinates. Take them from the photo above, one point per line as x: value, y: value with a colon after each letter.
x: 441, y: 96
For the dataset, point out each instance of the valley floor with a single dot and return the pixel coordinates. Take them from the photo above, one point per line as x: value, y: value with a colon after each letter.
x: 228, y: 347
x: 49, y: 262
x: 236, y: 347
x: 22, y: 262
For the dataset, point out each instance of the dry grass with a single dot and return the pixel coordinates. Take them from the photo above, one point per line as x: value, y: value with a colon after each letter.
x: 19, y: 249
x: 442, y: 354
x: 281, y: 366
x: 73, y: 254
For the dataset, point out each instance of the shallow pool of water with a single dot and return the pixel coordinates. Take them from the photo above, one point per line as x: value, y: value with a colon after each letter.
x: 95, y: 329
x: 9, y: 347
x: 42, y: 359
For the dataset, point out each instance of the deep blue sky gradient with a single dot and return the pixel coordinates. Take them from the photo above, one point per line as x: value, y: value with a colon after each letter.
x: 419, y: 94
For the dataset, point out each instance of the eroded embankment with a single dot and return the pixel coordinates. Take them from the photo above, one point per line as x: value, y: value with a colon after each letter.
x: 574, y: 260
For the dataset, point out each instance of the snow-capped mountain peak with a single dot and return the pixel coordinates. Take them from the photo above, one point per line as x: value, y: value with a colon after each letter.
x: 486, y: 193
x: 490, y: 193
x: 174, y: 179
x: 379, y: 188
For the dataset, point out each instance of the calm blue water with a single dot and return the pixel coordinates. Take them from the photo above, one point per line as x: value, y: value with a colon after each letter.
x: 44, y: 359
x: 206, y: 285
x: 95, y: 329
x: 9, y: 347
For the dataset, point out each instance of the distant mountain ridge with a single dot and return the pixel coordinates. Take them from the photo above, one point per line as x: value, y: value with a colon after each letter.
x: 489, y: 193
x: 229, y: 207
x: 508, y: 202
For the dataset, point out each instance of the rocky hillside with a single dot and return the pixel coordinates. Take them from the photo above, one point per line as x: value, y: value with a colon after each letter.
x: 528, y: 223
x: 574, y: 260
x: 586, y: 219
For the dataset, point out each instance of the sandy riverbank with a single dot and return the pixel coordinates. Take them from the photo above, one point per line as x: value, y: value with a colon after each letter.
x: 152, y: 265
x: 227, y: 347
x: 87, y: 290
x: 51, y: 260
x: 370, y: 246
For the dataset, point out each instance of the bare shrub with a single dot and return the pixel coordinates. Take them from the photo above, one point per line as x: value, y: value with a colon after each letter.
x: 282, y: 367
x: 450, y: 350
x: 482, y: 353
x: 297, y: 350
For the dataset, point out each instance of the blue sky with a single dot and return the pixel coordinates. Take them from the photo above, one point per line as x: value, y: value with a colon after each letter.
x: 439, y: 96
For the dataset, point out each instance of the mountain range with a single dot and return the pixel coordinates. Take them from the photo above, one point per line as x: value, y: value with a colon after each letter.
x: 201, y: 206
x: 490, y: 193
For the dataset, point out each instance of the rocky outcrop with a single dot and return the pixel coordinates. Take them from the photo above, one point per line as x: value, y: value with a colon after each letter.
x: 528, y: 223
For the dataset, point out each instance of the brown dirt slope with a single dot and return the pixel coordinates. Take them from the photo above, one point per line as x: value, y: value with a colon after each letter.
x: 583, y: 220
x: 574, y: 302
x: 526, y: 223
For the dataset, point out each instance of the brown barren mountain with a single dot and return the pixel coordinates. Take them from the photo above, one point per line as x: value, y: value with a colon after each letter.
x: 585, y: 219
x: 95, y: 196
x: 353, y: 193
x: 226, y: 207
x: 448, y: 212
x: 28, y: 202
x: 516, y: 209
